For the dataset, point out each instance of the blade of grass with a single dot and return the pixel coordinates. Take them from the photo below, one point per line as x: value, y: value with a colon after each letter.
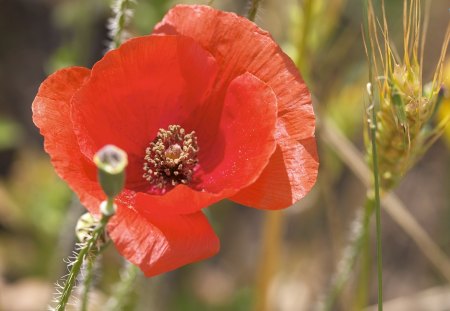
x: 376, y: 188
x: 345, y: 267
x: 254, y: 5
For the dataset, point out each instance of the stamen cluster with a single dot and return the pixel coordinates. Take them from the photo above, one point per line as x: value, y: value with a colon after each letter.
x: 171, y: 158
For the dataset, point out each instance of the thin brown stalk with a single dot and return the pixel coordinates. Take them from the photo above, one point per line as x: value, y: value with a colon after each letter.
x: 417, y: 19
x: 270, y: 250
x: 406, y: 32
x: 390, y: 202
x: 385, y: 32
x: 373, y: 39
x: 440, y: 65
x: 397, y: 211
x: 424, y: 35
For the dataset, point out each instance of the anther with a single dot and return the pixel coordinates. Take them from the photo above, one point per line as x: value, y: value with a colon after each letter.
x: 171, y: 158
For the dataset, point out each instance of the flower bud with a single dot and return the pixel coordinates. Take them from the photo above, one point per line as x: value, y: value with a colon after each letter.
x: 111, y: 162
x: 85, y: 225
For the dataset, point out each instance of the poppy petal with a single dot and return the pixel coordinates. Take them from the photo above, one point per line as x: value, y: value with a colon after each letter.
x: 240, y: 153
x: 51, y: 114
x: 245, y: 141
x: 180, y: 200
x: 160, y: 243
x: 238, y: 46
x: 271, y: 191
x: 148, y: 83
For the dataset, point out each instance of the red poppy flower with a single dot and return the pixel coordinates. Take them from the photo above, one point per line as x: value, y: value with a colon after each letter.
x: 208, y: 107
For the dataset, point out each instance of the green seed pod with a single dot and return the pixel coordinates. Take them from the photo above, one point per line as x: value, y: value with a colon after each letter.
x: 111, y: 162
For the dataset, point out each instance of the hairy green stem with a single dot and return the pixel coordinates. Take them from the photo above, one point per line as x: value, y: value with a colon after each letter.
x: 87, y: 249
x: 70, y: 282
x: 89, y: 275
x: 373, y: 132
x: 117, y: 24
x: 254, y: 5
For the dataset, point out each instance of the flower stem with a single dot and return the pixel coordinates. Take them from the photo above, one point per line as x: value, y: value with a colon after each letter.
x: 86, y: 249
x: 363, y: 279
x: 69, y: 284
x: 118, y: 23
x: 123, y: 290
x: 375, y: 170
x: 87, y: 284
x: 89, y: 275
x: 373, y: 132
x: 307, y: 11
x: 254, y: 5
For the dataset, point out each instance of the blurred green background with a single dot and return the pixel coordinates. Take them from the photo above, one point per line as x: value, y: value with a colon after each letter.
x: 38, y: 212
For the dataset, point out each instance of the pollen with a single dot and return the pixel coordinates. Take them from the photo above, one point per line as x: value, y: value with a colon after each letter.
x: 171, y: 158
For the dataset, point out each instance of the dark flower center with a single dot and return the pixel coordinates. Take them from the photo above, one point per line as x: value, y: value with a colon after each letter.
x: 171, y: 158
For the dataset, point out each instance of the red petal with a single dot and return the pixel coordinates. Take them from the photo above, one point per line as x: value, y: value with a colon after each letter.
x: 245, y: 141
x: 51, y: 114
x: 261, y: 194
x: 180, y: 200
x: 238, y: 46
x: 158, y: 243
x: 240, y: 153
x: 148, y: 83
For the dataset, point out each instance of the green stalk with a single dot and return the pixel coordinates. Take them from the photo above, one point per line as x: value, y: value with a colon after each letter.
x: 87, y: 283
x: 89, y: 275
x: 87, y: 249
x: 301, y: 47
x: 123, y: 292
x: 365, y: 267
x: 373, y: 132
x: 119, y: 22
x: 351, y: 253
x: 254, y: 5
x: 376, y: 185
